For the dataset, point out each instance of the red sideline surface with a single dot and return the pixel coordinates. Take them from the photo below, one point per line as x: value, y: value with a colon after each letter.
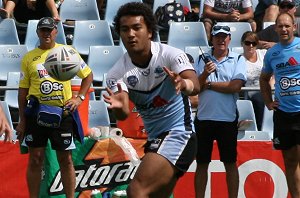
x: 12, y: 171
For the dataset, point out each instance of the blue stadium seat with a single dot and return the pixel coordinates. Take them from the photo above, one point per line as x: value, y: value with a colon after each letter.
x: 8, y: 32
x: 112, y: 7
x: 79, y: 10
x: 32, y: 39
x: 91, y: 32
x: 237, y: 29
x: 11, y: 57
x: 183, y: 34
x: 98, y: 114
x: 102, y: 58
x: 157, y: 3
x: 246, y: 113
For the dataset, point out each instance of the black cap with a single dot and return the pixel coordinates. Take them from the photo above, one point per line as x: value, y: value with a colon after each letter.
x: 47, y: 22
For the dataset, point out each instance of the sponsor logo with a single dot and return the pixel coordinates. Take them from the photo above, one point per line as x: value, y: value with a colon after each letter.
x: 155, y: 144
x: 43, y: 73
x: 67, y: 142
x: 29, y: 138
x: 48, y: 87
x: 132, y: 80
x: 291, y: 62
x: 36, y: 58
x: 159, y: 72
x: 286, y: 83
x: 146, y: 72
x: 94, y: 175
x: 276, y: 53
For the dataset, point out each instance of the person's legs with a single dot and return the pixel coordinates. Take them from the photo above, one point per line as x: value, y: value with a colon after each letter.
x: 258, y: 106
x: 67, y: 172
x: 271, y: 13
x: 34, y: 170
x: 292, y: 168
x: 232, y: 179
x: 208, y: 23
x: 201, y: 177
x: 155, y: 177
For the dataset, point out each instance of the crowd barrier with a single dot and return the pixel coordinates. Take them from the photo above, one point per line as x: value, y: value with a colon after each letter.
x: 102, y: 165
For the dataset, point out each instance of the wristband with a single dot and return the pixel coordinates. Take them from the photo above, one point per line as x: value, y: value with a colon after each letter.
x: 189, y: 87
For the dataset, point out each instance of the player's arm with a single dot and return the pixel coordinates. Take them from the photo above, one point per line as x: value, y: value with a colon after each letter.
x: 266, y: 90
x: 119, y: 102
x: 186, y: 81
x: 22, y: 101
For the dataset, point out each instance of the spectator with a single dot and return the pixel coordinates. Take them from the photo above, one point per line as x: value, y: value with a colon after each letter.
x: 158, y: 79
x: 37, y: 87
x: 265, y: 11
x: 24, y: 10
x: 268, y: 36
x: 254, y: 63
x: 282, y: 61
x: 4, y: 126
x: 229, y: 11
x: 221, y: 79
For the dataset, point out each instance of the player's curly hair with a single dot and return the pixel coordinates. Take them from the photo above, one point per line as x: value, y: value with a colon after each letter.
x: 137, y: 9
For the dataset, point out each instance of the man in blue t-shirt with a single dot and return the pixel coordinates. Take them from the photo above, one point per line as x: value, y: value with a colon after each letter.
x: 283, y: 61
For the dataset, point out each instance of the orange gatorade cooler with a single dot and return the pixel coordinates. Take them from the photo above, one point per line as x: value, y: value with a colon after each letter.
x: 83, y: 109
x: 133, y: 126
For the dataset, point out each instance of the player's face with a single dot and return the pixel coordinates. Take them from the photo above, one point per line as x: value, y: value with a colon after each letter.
x: 135, y: 34
x: 285, y: 28
x: 47, y: 36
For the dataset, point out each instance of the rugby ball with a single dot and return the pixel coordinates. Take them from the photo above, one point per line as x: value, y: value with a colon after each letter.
x: 62, y: 63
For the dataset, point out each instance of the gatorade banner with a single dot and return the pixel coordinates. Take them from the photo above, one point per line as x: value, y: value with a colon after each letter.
x: 98, y: 165
x: 103, y: 165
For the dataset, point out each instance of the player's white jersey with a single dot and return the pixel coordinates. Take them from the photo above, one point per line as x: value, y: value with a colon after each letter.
x: 152, y: 91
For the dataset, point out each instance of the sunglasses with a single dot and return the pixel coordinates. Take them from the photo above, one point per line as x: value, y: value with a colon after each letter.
x: 288, y: 6
x: 248, y: 43
x: 218, y: 27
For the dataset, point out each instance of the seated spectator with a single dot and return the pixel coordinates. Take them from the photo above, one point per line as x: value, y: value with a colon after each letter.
x: 268, y: 37
x: 24, y: 10
x: 254, y: 63
x: 265, y: 11
x: 227, y: 11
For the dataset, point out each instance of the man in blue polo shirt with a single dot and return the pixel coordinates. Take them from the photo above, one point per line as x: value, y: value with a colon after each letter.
x: 221, y: 78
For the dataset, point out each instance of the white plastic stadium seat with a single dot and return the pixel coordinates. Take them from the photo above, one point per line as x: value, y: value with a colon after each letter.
x: 8, y: 32
x: 267, y: 123
x: 102, y: 58
x: 238, y: 50
x: 79, y: 10
x: 91, y: 32
x: 183, y: 34
x: 32, y: 40
x: 11, y: 96
x: 112, y: 7
x: 10, y: 61
x: 253, y: 136
x: 195, y: 51
x: 237, y: 29
x: 246, y: 112
x: 98, y: 114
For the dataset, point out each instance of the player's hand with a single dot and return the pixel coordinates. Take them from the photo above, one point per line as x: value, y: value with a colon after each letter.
x: 20, y: 129
x: 178, y: 82
x: 73, y: 103
x: 114, y: 99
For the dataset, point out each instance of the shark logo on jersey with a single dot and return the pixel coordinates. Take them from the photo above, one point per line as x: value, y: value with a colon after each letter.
x: 276, y: 53
x: 159, y: 72
x: 146, y: 72
x: 132, y: 80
